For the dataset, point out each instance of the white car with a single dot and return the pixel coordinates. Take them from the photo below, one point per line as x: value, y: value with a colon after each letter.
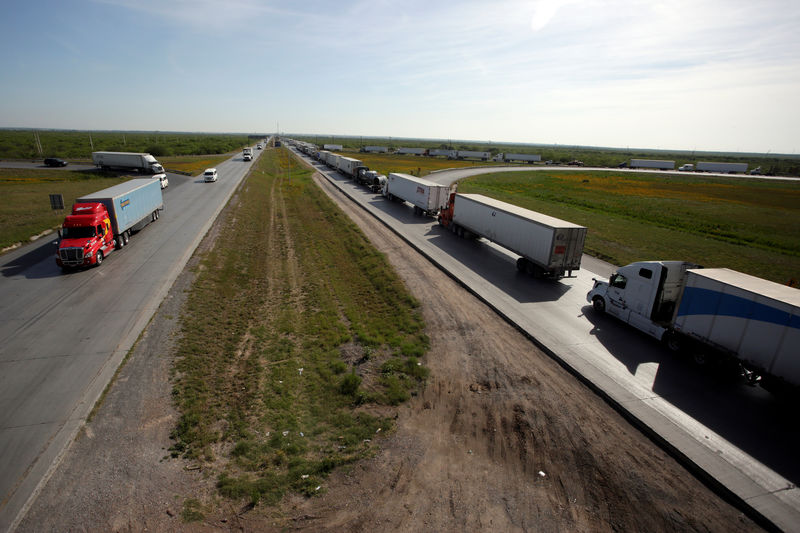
x: 163, y: 179
x: 210, y: 174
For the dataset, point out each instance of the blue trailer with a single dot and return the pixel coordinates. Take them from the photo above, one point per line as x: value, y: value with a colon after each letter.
x: 130, y: 205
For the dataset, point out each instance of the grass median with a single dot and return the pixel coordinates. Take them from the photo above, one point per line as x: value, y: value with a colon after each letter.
x: 298, y: 337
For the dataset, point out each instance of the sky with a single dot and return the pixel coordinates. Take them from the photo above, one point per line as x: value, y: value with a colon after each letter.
x: 719, y: 75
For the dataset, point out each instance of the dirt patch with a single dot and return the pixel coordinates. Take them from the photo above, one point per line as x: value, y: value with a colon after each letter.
x: 501, y: 438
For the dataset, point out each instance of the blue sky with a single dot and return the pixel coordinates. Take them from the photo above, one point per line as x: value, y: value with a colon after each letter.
x: 705, y: 75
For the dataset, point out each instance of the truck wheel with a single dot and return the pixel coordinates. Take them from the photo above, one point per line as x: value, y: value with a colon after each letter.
x: 673, y: 341
x: 125, y: 237
x: 119, y: 242
x: 158, y: 214
x: 522, y: 264
x: 99, y: 258
x: 598, y: 304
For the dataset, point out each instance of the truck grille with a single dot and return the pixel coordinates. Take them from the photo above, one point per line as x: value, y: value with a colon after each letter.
x: 71, y: 256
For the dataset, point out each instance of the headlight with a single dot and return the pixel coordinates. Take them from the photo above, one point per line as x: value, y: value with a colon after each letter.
x: 88, y: 254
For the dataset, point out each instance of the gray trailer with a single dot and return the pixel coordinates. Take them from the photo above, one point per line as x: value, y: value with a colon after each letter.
x: 139, y: 162
x: 376, y: 149
x: 426, y: 196
x: 653, y: 163
x: 726, y: 168
x: 549, y: 247
x: 473, y: 154
x: 450, y: 154
x: 410, y: 151
x: 525, y: 158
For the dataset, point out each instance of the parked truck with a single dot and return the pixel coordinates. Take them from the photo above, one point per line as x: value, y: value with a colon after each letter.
x: 473, y: 154
x: 525, y: 158
x: 372, y: 179
x: 426, y: 196
x: 548, y: 246
x: 712, y: 313
x: 652, y: 163
x: 728, y: 168
x: 127, y: 161
x: 103, y: 221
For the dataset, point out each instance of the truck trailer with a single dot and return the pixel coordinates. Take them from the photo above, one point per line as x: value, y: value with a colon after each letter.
x: 525, y: 158
x: 652, y: 163
x: 349, y: 166
x: 410, y: 151
x: 472, y: 154
x: 103, y: 221
x: 127, y: 160
x: 426, y: 196
x: 450, y: 154
x: 714, y: 313
x: 548, y: 246
x: 727, y: 168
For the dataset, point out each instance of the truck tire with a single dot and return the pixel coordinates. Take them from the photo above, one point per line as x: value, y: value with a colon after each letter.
x: 125, y: 237
x: 598, y: 304
x: 158, y: 214
x: 98, y: 260
x: 522, y: 265
x: 673, y: 341
x: 119, y: 242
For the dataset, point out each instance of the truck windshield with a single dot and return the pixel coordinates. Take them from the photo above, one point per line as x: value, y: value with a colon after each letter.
x: 80, y: 232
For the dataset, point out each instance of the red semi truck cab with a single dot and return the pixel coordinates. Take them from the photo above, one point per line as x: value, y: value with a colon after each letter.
x: 86, y: 236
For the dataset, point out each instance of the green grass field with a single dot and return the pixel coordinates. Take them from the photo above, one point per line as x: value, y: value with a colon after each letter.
x: 295, y: 332
x: 748, y: 225
x: 26, y: 211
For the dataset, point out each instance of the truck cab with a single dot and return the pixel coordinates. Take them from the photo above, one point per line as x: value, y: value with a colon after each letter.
x: 643, y: 294
x: 86, y: 236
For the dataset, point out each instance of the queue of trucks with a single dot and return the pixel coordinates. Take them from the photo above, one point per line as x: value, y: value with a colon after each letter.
x: 711, y: 313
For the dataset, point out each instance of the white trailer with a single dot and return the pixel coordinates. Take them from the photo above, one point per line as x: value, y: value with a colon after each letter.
x: 411, y: 151
x: 450, y: 154
x: 332, y: 147
x: 349, y: 165
x: 525, y: 158
x: 376, y: 149
x: 472, y: 154
x: 713, y: 313
x: 426, y: 196
x: 728, y: 168
x: 652, y: 163
x: 140, y: 162
x: 550, y: 247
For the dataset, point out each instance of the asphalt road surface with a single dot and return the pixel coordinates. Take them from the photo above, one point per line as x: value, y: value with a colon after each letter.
x: 62, y: 336
x: 739, y: 435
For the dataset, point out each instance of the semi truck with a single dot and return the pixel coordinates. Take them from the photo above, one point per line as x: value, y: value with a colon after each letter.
x: 410, y: 151
x: 549, y: 247
x: 653, y: 163
x: 371, y: 179
x: 426, y: 196
x: 713, y: 313
x: 247, y: 154
x: 525, y: 158
x: 473, y: 154
x: 450, y: 154
x: 728, y: 168
x: 128, y: 161
x: 103, y: 221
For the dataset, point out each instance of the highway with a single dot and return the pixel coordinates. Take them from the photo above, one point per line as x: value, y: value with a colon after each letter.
x: 735, y: 435
x: 63, y: 336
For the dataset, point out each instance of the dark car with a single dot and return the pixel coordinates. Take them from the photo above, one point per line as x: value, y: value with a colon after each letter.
x: 55, y: 162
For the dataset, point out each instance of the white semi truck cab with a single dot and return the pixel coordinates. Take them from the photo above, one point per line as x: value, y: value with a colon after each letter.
x: 643, y: 294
